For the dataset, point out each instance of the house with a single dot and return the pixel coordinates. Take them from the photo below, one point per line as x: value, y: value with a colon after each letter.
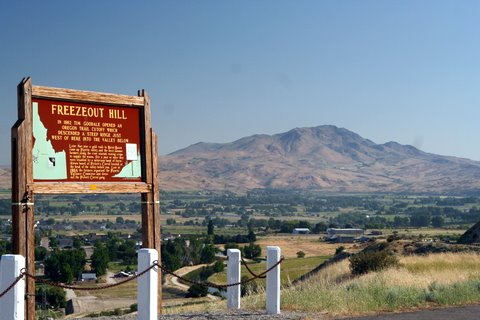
x: 349, y: 231
x: 64, y: 242
x: 301, y: 231
x: 341, y: 239
x: 88, y: 277
x: 347, y: 235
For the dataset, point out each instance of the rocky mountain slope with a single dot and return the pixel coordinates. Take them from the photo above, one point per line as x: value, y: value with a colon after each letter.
x: 324, y: 158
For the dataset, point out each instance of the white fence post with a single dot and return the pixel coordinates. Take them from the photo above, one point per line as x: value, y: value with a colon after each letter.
x: 12, y: 303
x: 273, y: 280
x: 233, y: 276
x: 147, y: 285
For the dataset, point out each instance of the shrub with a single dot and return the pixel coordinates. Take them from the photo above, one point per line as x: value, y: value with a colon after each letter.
x: 247, y: 288
x: 218, y: 266
x: 300, y: 254
x: 365, y: 262
x: 196, y: 291
x: 52, y: 296
x: 252, y: 251
x: 339, y: 250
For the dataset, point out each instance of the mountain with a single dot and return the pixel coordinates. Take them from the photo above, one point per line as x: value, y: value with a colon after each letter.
x: 325, y: 158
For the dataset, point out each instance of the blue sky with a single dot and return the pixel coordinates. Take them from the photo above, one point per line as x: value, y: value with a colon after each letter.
x: 216, y: 71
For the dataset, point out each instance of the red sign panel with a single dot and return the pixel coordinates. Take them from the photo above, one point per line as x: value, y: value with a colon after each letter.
x: 78, y: 142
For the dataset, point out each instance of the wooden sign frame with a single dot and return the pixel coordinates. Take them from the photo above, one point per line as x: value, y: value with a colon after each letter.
x: 24, y: 187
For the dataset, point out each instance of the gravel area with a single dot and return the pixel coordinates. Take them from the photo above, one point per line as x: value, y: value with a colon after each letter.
x: 225, y: 315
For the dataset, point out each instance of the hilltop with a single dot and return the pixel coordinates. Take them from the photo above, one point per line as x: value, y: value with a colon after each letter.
x: 325, y: 158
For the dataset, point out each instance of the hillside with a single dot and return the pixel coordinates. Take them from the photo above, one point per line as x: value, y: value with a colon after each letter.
x: 324, y: 158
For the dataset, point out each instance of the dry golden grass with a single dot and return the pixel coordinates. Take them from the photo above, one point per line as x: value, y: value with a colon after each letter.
x: 310, y: 244
x: 438, y: 279
x: 91, y: 217
x: 419, y: 281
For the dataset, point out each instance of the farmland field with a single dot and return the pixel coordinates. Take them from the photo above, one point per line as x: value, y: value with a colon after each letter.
x: 291, y: 269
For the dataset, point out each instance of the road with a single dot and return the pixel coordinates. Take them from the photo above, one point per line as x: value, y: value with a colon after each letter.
x: 451, y: 313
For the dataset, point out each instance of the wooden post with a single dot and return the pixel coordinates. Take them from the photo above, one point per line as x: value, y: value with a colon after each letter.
x: 156, y: 213
x: 23, y: 233
x: 150, y: 201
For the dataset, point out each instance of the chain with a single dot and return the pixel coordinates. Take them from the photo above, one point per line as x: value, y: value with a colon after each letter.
x: 223, y: 286
x: 82, y: 288
x: 10, y: 287
x: 250, y: 271
x: 154, y: 264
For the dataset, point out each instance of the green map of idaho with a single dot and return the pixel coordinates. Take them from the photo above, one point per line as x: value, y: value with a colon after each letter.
x: 47, y: 164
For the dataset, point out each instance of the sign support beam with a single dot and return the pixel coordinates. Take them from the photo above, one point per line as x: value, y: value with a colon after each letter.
x: 127, y: 146
x: 23, y: 233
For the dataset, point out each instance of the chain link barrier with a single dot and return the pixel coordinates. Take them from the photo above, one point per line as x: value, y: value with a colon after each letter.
x: 10, y: 287
x: 250, y: 270
x: 24, y: 273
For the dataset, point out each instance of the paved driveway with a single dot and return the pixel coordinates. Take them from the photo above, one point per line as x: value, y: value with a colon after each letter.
x: 457, y: 313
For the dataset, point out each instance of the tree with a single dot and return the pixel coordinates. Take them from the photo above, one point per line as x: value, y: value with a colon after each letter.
x: 173, y: 253
x: 421, y: 219
x: 77, y: 243
x: 127, y: 252
x: 210, y: 228
x: 438, y: 221
x: 40, y: 253
x: 113, y: 242
x: 252, y: 237
x: 252, y: 251
x: 208, y: 254
x: 319, y: 227
x: 230, y: 245
x: 53, y: 242
x: 100, y: 259
x: 218, y: 266
x: 50, y: 296
x: 399, y: 221
x: 5, y: 247
x: 65, y: 265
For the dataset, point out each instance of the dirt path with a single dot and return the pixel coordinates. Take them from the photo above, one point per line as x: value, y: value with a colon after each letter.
x: 109, y: 278
x: 174, y: 282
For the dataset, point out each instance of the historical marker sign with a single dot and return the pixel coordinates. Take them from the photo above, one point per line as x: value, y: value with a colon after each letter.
x: 79, y: 142
x: 73, y: 141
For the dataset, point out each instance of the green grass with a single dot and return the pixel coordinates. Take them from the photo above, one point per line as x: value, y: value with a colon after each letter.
x: 290, y: 269
x: 178, y: 229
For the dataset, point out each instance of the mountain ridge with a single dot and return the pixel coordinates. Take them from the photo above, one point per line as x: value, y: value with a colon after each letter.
x: 326, y: 158
x: 323, y: 158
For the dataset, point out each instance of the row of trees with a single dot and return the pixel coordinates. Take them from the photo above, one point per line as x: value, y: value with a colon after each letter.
x: 181, y: 252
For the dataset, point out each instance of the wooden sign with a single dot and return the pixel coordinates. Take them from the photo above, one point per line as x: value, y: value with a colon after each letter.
x: 72, y: 141
x: 79, y: 142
